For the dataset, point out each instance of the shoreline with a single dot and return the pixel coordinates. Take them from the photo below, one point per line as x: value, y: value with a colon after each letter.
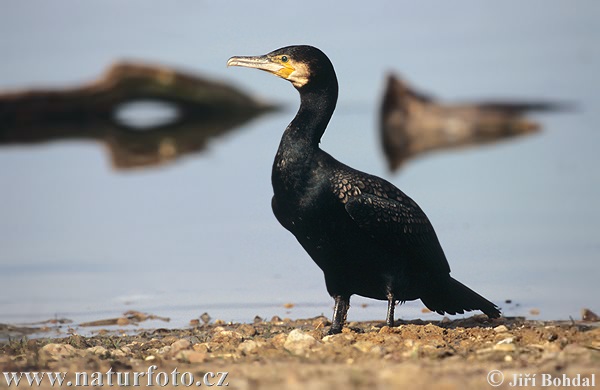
x: 299, y: 353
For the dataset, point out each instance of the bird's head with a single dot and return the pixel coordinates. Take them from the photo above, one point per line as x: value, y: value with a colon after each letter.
x: 301, y: 65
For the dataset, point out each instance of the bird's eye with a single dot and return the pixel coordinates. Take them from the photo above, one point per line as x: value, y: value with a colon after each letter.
x: 284, y: 59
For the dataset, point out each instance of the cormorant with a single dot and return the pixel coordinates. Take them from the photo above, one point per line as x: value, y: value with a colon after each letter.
x: 367, y: 236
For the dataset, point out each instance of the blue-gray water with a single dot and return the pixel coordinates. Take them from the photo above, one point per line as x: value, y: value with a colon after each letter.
x: 518, y: 220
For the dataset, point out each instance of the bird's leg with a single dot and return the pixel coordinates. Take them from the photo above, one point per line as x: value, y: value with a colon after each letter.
x: 340, y: 310
x: 390, y: 311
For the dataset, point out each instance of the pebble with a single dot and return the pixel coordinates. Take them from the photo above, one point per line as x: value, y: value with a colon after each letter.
x: 191, y: 356
x: 501, y: 329
x: 298, y: 342
x: 205, y: 318
x: 179, y: 345
x: 246, y: 330
x: 227, y: 336
x: 57, y: 351
x: 248, y: 347
x: 504, y: 347
x: 508, y: 340
x: 97, y: 350
x: 121, y: 352
x: 201, y: 347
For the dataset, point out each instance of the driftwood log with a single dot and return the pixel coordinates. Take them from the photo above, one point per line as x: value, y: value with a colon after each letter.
x: 204, y: 109
x: 412, y: 123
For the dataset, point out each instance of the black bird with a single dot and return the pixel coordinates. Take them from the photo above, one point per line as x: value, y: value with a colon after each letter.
x: 367, y: 236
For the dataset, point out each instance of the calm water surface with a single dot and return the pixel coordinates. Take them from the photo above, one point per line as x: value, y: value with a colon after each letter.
x: 518, y: 220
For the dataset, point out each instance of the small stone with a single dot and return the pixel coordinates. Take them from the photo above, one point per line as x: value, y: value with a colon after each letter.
x: 508, y: 340
x: 288, y: 305
x: 534, y: 312
x: 194, y: 322
x: 320, y: 323
x: 248, y: 347
x: 246, y: 330
x: 150, y: 357
x: 201, y: 347
x: 504, y: 347
x: 385, y: 329
x: 276, y: 319
x: 501, y: 329
x: 508, y: 358
x: 205, y: 318
x: 191, y: 356
x: 97, y: 350
x: 298, y: 342
x: 219, y: 322
x: 228, y: 336
x: 118, y: 353
x: 278, y: 340
x: 57, y: 351
x: 179, y: 345
x: 257, y: 319
x: 364, y: 346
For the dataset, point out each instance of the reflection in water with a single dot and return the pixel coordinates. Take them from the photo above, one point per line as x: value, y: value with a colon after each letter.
x: 190, y: 110
x: 413, y: 123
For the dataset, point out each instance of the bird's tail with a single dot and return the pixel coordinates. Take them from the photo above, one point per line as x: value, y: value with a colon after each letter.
x: 450, y: 296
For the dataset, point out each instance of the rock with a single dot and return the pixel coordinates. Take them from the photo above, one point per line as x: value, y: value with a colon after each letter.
x: 194, y: 322
x: 501, y: 329
x: 246, y: 330
x: 505, y: 347
x: 201, y: 347
x: 298, y: 342
x: 508, y: 340
x: 248, y: 347
x: 364, y: 346
x: 179, y: 345
x: 205, y: 318
x: 120, y: 352
x: 191, y: 356
x: 97, y: 350
x: 56, y: 351
x: 228, y: 337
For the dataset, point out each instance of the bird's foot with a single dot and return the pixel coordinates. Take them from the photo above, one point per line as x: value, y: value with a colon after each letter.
x: 334, y: 330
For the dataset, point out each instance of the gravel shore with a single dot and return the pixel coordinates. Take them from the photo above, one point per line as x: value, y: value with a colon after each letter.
x: 275, y: 354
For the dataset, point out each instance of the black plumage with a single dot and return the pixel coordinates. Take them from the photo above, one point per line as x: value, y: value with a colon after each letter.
x: 367, y: 236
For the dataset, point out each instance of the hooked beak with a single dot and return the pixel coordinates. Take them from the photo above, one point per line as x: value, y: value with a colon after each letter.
x: 257, y: 62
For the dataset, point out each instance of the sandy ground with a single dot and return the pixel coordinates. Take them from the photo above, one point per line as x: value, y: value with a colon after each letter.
x: 276, y: 354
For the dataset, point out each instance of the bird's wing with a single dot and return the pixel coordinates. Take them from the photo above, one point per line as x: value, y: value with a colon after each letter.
x: 402, y: 226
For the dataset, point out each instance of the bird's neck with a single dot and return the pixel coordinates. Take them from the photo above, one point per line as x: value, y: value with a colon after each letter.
x: 316, y: 109
x: 300, y: 141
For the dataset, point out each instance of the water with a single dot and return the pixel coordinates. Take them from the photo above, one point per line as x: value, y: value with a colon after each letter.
x: 517, y: 220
